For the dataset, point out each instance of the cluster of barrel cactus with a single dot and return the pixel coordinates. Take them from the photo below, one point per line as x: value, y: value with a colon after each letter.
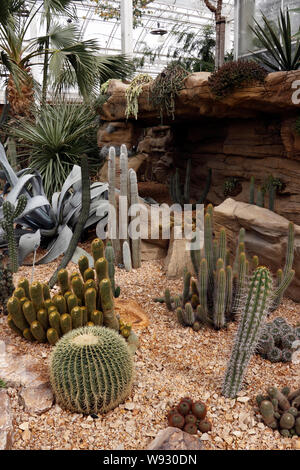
x: 126, y: 249
x: 85, y: 298
x: 10, y: 213
x: 277, y: 339
x: 6, y: 284
x: 220, y: 289
x: 91, y: 370
x: 180, y: 194
x: 189, y: 416
x: 280, y: 409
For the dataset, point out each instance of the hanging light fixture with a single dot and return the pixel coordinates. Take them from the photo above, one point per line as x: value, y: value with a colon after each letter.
x: 158, y: 31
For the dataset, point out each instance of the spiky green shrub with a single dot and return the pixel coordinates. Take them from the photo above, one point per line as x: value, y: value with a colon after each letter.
x: 56, y: 140
x: 235, y: 75
x: 91, y: 370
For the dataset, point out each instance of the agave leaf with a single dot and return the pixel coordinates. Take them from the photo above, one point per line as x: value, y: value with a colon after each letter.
x: 80, y: 252
x: 58, y: 247
x: 27, y: 244
x: 73, y: 177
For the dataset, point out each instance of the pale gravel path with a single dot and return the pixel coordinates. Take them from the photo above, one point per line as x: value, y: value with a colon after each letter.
x: 172, y: 362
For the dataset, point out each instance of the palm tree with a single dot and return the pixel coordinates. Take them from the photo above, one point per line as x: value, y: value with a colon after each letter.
x: 68, y: 59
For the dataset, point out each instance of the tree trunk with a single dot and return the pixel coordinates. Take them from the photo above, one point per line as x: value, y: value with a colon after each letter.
x: 220, y: 31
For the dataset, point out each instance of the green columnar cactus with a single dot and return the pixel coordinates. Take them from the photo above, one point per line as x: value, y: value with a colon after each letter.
x: 180, y: 194
x: 110, y: 256
x: 113, y: 215
x: 220, y: 301
x: 252, y: 320
x: 10, y: 213
x: 252, y: 190
x: 107, y: 303
x: 136, y: 239
x: 82, y: 384
x: 260, y: 199
x: 97, y: 249
x: 6, y: 284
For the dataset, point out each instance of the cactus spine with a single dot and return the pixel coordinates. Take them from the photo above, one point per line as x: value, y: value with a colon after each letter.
x: 252, y: 319
x: 10, y: 213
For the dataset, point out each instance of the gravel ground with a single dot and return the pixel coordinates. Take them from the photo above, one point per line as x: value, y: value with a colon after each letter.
x: 172, y: 362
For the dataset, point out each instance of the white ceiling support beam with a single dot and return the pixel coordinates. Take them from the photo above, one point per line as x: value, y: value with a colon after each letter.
x: 127, y: 27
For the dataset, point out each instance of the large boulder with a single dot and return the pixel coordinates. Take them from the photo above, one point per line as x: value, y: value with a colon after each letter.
x: 266, y: 236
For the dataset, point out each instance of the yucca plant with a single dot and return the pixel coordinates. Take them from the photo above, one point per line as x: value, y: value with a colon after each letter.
x: 283, y: 50
x: 61, y: 133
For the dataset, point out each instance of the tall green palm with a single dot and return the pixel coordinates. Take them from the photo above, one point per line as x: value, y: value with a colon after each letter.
x: 282, y: 54
x: 70, y: 60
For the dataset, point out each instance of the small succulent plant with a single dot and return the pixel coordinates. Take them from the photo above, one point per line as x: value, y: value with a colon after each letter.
x: 280, y: 409
x: 189, y: 416
x: 277, y: 340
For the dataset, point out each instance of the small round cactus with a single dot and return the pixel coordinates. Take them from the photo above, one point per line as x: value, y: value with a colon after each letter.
x: 91, y: 370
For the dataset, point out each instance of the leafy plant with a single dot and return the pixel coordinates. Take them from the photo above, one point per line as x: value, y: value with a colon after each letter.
x: 278, y: 42
x: 232, y: 187
x: 2, y: 384
x: 56, y: 140
x: 166, y: 87
x: 234, y: 75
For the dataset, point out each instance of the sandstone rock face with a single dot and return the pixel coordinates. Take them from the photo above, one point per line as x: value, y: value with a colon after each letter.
x: 29, y: 376
x: 266, y: 236
x: 249, y: 133
x: 175, y: 439
x: 178, y: 258
x: 196, y: 99
x: 6, y: 427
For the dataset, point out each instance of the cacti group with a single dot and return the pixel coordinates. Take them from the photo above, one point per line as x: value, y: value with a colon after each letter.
x: 91, y: 370
x: 6, y: 284
x: 128, y: 197
x: 220, y: 288
x: 189, y: 416
x: 270, y: 187
x: 85, y: 298
x: 10, y: 213
x: 276, y: 340
x: 280, y: 409
x: 180, y: 194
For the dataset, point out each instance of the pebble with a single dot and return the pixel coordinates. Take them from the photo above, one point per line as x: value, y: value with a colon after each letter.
x: 205, y: 437
x: 24, y: 426
x: 243, y: 399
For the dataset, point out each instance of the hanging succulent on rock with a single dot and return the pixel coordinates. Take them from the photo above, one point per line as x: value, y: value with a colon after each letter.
x: 166, y: 88
x: 133, y: 92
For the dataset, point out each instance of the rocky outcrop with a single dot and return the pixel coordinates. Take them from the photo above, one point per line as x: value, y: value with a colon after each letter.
x: 175, y: 439
x: 249, y: 133
x: 6, y: 426
x: 196, y: 99
x: 266, y: 236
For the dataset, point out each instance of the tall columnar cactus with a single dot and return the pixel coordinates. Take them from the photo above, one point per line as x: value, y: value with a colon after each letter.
x: 91, y: 370
x: 110, y: 256
x: 270, y: 188
x: 253, y: 315
x: 6, y: 284
x: 136, y: 238
x: 124, y: 200
x: 180, y: 194
x: 10, y: 213
x: 113, y: 213
x: 127, y: 256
